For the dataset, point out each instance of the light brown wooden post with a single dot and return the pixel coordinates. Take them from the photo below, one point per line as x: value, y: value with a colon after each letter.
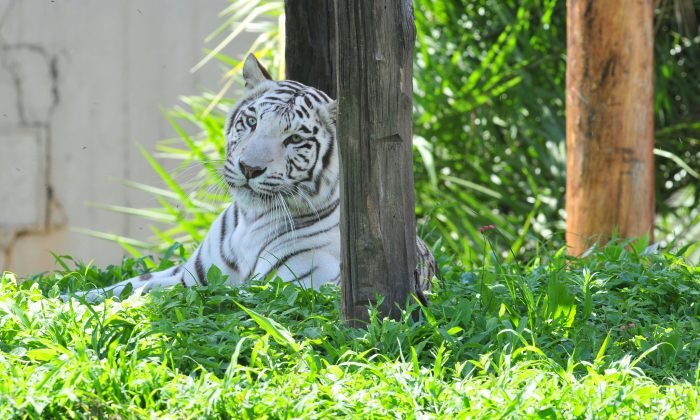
x: 609, y: 123
x: 378, y: 236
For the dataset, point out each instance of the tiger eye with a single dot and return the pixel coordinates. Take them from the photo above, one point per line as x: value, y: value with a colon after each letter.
x: 293, y: 139
x: 252, y: 121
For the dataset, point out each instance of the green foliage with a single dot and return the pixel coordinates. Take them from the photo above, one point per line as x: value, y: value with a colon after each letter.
x: 489, y: 97
x: 677, y: 109
x: 614, y: 333
x: 490, y: 122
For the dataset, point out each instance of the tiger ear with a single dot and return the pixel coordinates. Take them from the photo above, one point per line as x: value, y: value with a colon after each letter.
x: 253, y: 72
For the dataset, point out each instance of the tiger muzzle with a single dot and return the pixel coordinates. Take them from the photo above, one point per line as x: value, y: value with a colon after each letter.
x: 250, y: 172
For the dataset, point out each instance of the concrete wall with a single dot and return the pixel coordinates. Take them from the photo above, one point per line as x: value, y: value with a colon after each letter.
x: 81, y: 83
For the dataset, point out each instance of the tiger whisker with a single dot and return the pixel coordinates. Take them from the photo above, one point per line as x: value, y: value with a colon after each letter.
x: 288, y: 214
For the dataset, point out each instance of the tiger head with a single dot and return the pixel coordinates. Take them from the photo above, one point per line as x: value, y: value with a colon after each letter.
x: 280, y: 143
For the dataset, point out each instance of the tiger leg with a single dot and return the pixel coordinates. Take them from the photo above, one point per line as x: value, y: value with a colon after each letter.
x: 142, y: 284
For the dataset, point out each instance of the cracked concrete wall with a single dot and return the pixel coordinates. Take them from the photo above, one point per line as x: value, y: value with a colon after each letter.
x: 81, y: 84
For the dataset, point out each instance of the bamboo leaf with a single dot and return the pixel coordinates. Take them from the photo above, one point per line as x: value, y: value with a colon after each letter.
x: 169, y: 181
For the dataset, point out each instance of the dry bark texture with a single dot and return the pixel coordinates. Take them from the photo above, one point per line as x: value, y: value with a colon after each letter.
x: 609, y: 126
x: 375, y: 45
x: 310, y: 38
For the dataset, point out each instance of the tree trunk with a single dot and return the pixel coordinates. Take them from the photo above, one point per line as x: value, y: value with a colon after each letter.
x: 310, y: 43
x: 378, y: 236
x: 609, y: 123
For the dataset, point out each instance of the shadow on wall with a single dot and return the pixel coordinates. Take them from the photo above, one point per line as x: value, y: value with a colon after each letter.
x: 81, y: 83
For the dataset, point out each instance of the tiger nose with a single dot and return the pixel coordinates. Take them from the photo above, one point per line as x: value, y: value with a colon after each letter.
x: 250, y: 171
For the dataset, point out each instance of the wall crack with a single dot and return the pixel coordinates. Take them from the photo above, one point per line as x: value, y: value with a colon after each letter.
x: 33, y: 112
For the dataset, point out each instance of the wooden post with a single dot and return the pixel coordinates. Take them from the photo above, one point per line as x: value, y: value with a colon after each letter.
x: 310, y: 43
x: 609, y: 123
x: 378, y: 236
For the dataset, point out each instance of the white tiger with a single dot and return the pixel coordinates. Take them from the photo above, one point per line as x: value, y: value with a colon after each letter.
x: 282, y: 168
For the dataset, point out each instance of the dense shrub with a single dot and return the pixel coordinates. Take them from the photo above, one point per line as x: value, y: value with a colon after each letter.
x: 490, y: 120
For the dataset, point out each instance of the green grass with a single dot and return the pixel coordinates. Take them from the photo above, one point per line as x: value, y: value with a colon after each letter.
x: 614, y: 334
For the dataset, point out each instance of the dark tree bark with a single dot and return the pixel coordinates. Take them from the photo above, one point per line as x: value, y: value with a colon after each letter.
x: 310, y: 38
x: 609, y: 123
x: 378, y: 236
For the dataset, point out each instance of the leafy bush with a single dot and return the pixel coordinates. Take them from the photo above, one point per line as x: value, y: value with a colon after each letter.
x: 495, y: 149
x: 614, y: 333
x: 490, y: 121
